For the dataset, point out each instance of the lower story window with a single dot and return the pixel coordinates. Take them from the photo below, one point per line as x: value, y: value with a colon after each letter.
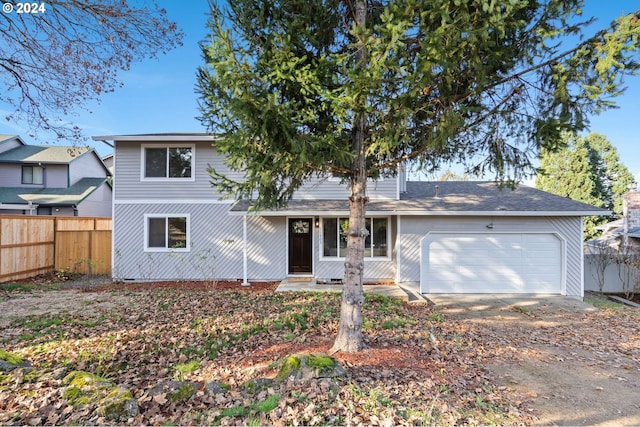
x: 335, y: 237
x: 167, y: 232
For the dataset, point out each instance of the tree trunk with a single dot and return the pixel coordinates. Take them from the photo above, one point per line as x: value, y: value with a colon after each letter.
x: 349, y: 338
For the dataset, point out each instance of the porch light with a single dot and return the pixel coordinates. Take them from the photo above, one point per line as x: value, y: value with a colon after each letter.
x: 317, y: 222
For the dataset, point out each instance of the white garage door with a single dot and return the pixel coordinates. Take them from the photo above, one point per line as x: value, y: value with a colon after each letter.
x: 491, y: 263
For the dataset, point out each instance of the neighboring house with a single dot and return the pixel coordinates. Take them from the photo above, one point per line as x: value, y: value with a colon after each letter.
x: 52, y: 180
x: 612, y: 259
x: 623, y: 231
x: 108, y: 161
x: 460, y: 237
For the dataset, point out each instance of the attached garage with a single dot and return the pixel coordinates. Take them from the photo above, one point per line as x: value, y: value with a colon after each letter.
x: 492, y: 263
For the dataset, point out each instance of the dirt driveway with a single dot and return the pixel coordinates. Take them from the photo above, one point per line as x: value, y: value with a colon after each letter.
x: 575, y: 364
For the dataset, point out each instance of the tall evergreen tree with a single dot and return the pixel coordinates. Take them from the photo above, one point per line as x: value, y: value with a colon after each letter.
x: 587, y: 170
x: 613, y: 176
x: 356, y: 87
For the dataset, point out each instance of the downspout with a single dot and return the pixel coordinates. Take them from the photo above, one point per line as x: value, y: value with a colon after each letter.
x: 398, y: 246
x: 245, y: 281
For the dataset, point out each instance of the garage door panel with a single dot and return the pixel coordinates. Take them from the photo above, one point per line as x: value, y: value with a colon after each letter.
x: 491, y: 263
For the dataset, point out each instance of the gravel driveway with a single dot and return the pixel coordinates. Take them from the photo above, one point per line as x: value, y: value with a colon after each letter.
x: 574, y: 364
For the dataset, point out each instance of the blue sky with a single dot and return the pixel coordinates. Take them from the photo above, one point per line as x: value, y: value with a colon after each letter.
x: 158, y: 95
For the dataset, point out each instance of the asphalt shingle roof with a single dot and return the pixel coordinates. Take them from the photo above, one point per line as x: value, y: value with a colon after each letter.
x: 453, y: 197
x: 42, y: 154
x: 51, y: 196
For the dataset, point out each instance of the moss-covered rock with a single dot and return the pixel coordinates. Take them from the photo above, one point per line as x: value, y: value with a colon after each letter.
x: 113, y: 403
x: 308, y: 366
x: 257, y: 385
x: 80, y: 379
x: 10, y: 361
x: 118, y: 405
x: 321, y: 361
x: 289, y: 367
x: 175, y: 391
x: 215, y: 387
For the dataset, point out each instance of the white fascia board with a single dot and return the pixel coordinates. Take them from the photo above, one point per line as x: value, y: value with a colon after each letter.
x: 501, y: 213
x: 290, y: 213
x: 171, y: 202
x: 19, y: 206
x: 194, y: 137
x: 302, y: 213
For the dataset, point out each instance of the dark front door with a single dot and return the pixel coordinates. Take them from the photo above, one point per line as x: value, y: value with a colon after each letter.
x: 300, y: 245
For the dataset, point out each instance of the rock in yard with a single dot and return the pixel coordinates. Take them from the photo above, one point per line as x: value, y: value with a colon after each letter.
x: 175, y: 390
x: 309, y: 366
x: 9, y: 362
x: 113, y: 403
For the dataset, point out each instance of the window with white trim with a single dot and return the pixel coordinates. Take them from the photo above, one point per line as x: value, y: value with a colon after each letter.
x: 32, y: 175
x: 167, y: 233
x: 167, y: 162
x: 334, y: 237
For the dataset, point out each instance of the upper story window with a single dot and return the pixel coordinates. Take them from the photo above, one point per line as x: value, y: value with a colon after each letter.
x: 32, y: 175
x: 160, y: 162
x: 335, y: 237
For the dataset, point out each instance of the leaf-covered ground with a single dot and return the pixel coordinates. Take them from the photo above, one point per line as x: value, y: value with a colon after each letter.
x: 421, y: 369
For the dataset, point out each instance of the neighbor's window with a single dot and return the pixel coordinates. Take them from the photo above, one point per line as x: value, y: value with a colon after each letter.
x: 335, y: 237
x: 167, y: 233
x: 168, y: 162
x: 32, y: 175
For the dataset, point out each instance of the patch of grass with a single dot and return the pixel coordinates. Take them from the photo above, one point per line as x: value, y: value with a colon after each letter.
x: 436, y: 316
x: 39, y: 325
x: 87, y: 323
x: 17, y: 287
x: 397, y: 322
x: 605, y: 304
x: 523, y: 310
x: 30, y: 287
x: 260, y: 407
x: 267, y: 405
x: 183, y: 369
x: 235, y: 411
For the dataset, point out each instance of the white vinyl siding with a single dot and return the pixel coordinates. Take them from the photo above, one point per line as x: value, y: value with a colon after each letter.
x: 128, y: 185
x: 327, y: 188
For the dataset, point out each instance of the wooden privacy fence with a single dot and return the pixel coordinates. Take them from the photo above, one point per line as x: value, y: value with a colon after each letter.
x: 32, y: 245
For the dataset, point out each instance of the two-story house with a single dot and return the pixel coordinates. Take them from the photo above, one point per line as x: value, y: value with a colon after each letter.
x: 52, y: 180
x: 170, y: 223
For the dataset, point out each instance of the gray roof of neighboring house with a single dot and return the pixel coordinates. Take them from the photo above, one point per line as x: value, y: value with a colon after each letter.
x: 52, y: 196
x: 43, y: 154
x: 453, y: 198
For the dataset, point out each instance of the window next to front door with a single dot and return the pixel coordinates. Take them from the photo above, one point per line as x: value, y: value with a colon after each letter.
x: 334, y: 237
